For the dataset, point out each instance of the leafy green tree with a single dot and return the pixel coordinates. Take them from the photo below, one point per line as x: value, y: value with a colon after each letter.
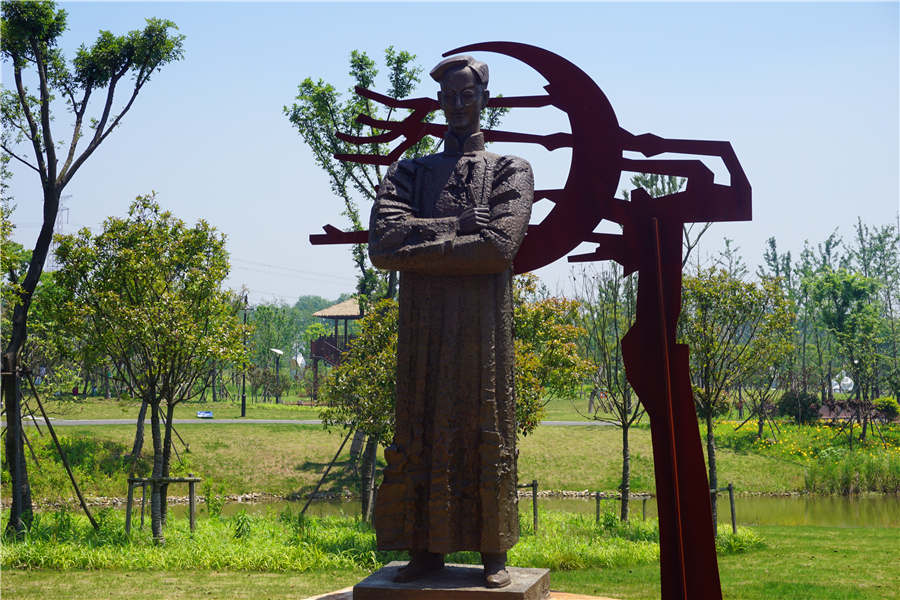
x: 548, y: 362
x: 876, y: 254
x: 607, y: 305
x: 720, y: 317
x: 359, y: 393
x: 29, y: 33
x: 769, y: 354
x: 850, y: 312
x: 305, y: 307
x: 319, y: 113
x: 826, y: 256
x: 274, y: 326
x: 148, y: 291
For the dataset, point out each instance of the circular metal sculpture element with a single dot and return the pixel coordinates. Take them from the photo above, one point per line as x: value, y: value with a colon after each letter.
x: 596, y: 155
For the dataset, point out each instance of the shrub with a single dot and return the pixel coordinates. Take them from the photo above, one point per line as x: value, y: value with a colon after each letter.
x: 214, y: 496
x: 887, y: 408
x: 803, y: 407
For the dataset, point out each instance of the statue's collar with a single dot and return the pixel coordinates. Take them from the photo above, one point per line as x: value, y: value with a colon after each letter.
x: 473, y: 143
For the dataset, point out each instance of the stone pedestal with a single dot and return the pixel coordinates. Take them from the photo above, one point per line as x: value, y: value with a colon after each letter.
x: 453, y: 582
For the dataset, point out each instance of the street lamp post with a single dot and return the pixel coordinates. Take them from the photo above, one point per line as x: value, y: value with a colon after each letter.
x: 278, y: 354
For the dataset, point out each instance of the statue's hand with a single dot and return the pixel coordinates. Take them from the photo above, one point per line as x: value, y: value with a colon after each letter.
x: 473, y: 219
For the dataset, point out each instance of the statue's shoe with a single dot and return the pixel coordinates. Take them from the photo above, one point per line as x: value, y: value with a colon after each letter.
x: 419, y: 565
x: 497, y: 579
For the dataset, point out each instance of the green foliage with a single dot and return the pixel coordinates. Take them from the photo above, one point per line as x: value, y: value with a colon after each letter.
x: 839, y: 471
x: 801, y: 406
x: 548, y: 364
x: 214, y: 498
x: 319, y: 113
x: 278, y: 325
x: 241, y: 523
x: 30, y: 35
x: 147, y: 292
x: 887, y: 408
x: 831, y: 466
x: 359, y: 393
x: 849, y: 310
x: 286, y: 542
x: 100, y: 466
x: 721, y: 315
x: 607, y: 304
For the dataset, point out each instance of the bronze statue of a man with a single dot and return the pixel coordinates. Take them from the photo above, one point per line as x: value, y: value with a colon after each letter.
x: 451, y: 223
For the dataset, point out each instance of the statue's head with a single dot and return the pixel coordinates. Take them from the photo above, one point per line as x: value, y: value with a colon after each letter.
x: 463, y: 93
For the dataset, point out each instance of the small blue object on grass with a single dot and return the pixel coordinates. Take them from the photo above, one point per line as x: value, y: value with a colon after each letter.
x: 204, y: 414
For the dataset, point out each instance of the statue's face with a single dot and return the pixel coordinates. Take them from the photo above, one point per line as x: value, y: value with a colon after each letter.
x: 462, y: 98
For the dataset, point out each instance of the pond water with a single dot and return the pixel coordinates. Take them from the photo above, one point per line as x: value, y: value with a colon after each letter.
x: 827, y: 511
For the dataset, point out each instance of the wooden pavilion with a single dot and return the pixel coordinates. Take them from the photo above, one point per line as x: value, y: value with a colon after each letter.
x: 330, y: 347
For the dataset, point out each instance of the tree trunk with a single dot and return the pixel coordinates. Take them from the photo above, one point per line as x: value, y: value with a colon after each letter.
x: 392, y: 285
x: 760, y: 423
x: 713, y: 476
x: 20, y: 513
x: 356, y: 446
x: 625, y: 488
x: 138, y: 436
x: 155, y: 505
x: 367, y: 491
x: 166, y: 460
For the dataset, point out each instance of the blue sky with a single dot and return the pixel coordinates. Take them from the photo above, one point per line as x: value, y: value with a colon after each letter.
x: 806, y: 93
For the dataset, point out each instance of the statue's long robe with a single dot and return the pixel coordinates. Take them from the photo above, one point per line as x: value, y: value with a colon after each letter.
x: 450, y: 481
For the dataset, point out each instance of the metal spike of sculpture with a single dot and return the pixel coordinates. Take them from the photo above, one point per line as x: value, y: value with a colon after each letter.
x: 650, y: 243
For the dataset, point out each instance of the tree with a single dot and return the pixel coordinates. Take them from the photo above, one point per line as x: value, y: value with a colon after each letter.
x: 850, y: 312
x: 148, y: 291
x: 319, y: 113
x: 30, y: 32
x: 720, y: 317
x: 769, y: 354
x: 548, y: 363
x: 876, y: 254
x: 607, y: 305
x: 812, y: 262
x: 359, y: 393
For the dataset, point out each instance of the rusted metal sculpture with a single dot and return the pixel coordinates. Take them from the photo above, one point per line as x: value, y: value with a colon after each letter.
x: 650, y: 243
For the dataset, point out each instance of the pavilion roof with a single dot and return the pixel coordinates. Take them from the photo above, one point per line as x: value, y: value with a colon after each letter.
x: 348, y: 309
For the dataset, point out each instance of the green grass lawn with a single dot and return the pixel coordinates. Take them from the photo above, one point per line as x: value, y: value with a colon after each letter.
x: 44, y: 584
x: 100, y: 408
x: 794, y: 563
x: 798, y: 563
x: 557, y: 409
x: 285, y: 459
